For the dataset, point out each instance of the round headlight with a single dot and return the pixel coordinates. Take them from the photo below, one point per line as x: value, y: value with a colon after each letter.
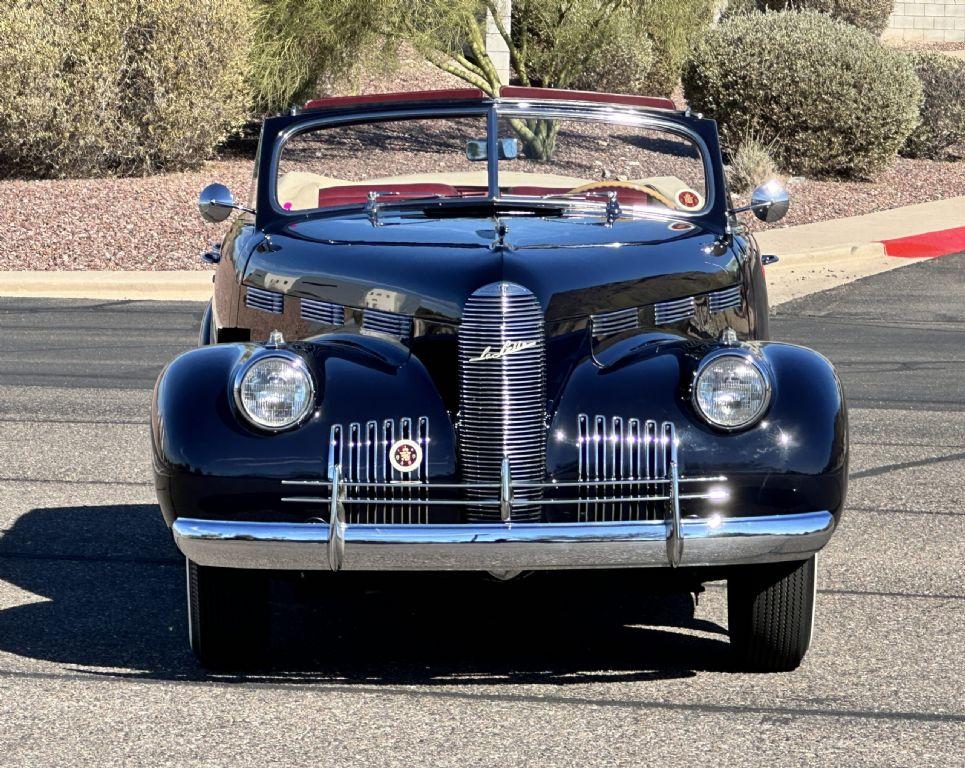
x: 731, y: 391
x: 275, y: 392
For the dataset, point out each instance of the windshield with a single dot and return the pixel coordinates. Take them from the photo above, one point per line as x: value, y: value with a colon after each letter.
x: 573, y: 160
x: 640, y: 166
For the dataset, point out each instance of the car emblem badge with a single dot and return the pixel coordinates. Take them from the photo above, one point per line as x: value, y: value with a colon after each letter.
x: 688, y: 199
x: 405, y: 455
x: 508, y: 348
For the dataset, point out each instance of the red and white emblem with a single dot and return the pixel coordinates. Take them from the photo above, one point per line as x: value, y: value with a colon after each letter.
x: 688, y: 198
x: 405, y: 455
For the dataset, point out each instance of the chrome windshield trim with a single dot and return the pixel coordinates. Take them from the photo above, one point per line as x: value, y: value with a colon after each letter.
x: 492, y: 109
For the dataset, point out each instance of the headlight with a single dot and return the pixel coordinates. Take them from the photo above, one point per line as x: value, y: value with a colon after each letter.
x: 731, y: 390
x: 275, y: 391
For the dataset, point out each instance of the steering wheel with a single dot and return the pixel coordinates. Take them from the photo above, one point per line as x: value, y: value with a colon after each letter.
x: 616, y: 184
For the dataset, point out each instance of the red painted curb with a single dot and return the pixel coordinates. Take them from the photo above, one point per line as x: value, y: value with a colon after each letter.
x: 928, y: 245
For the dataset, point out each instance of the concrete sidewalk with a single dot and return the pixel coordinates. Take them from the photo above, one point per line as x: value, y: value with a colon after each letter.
x: 813, y: 257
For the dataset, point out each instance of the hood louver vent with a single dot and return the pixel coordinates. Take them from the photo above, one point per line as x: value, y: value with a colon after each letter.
x: 266, y: 301
x: 728, y: 298
x: 667, y: 312
x: 617, y: 321
x: 380, y: 322
x: 322, y: 312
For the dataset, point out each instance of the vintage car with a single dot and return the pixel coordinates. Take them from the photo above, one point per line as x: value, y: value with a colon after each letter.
x: 452, y: 332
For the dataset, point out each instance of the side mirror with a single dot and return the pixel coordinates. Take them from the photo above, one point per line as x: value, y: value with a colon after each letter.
x: 770, y: 201
x: 216, y: 203
x: 477, y: 149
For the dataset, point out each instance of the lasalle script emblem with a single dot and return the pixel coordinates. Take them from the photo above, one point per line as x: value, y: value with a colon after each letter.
x: 405, y: 455
x: 508, y: 348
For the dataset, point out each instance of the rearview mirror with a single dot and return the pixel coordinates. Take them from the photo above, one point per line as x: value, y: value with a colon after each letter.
x: 478, y: 149
x: 770, y: 201
x: 216, y: 203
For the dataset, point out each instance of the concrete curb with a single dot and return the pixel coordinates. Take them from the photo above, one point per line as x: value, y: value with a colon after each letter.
x: 181, y: 285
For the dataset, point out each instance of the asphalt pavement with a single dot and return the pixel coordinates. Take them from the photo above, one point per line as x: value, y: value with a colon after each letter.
x: 425, y: 671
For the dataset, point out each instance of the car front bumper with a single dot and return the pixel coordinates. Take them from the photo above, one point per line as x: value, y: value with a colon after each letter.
x: 507, y: 546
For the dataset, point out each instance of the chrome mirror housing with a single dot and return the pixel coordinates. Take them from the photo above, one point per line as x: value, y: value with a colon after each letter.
x: 216, y: 203
x: 770, y: 201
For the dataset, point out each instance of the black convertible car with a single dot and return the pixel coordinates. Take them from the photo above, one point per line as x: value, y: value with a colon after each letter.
x: 452, y: 332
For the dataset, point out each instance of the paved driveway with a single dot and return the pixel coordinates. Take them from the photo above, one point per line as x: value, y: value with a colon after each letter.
x: 94, y: 664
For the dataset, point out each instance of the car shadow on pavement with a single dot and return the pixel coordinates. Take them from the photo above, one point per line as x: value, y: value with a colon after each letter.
x: 105, y: 595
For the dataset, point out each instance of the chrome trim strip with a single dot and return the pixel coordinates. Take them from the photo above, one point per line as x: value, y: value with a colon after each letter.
x: 516, y: 484
x: 503, y: 546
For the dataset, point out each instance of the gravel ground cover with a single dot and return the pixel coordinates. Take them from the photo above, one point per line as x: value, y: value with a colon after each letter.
x: 152, y: 223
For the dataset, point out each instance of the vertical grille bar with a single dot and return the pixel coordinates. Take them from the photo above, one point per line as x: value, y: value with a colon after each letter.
x: 621, y: 450
x: 362, y: 451
x: 502, y: 392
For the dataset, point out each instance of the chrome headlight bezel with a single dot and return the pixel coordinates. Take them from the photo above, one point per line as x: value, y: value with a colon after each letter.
x: 747, y: 357
x: 259, y: 357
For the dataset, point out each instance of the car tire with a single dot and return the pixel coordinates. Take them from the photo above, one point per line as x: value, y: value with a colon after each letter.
x: 227, y: 616
x: 770, y: 615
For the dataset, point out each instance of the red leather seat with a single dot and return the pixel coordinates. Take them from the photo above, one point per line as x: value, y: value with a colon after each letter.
x: 358, y: 193
x: 624, y: 195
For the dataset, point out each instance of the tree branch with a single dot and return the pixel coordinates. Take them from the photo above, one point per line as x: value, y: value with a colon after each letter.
x: 514, y: 56
x: 439, y: 61
x: 478, y: 47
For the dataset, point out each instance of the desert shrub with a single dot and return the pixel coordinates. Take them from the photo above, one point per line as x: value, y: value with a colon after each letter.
x: 834, y: 100
x: 587, y: 44
x: 674, y: 27
x: 118, y: 88
x: 942, y: 115
x: 871, y: 15
x: 751, y: 164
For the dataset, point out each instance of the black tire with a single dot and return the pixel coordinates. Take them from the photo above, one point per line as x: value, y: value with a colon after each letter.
x: 770, y: 614
x: 227, y: 616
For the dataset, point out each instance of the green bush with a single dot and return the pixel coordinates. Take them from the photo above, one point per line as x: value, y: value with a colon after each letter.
x: 942, y: 116
x: 833, y: 99
x: 674, y: 26
x: 118, y: 88
x: 871, y: 15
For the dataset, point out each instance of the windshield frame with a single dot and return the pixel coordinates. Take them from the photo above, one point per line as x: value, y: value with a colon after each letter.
x: 283, y: 128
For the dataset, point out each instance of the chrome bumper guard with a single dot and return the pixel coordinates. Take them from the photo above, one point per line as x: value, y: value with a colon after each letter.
x: 506, y: 545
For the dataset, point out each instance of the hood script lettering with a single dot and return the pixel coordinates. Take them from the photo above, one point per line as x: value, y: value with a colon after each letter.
x: 508, y: 348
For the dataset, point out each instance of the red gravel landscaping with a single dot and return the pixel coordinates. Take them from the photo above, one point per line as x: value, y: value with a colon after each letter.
x: 153, y: 224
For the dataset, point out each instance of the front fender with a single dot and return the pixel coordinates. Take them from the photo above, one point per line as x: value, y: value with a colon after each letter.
x: 794, y: 460
x: 210, y: 462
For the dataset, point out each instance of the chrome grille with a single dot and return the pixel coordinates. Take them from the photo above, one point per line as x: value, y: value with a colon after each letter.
x: 502, y: 393
x: 727, y: 298
x: 266, y: 301
x: 362, y: 451
x: 667, y: 312
x: 379, y: 321
x: 322, y: 312
x: 614, y: 322
x: 619, y: 450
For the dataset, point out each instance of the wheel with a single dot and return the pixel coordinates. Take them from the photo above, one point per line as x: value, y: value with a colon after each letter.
x: 770, y: 614
x: 227, y: 615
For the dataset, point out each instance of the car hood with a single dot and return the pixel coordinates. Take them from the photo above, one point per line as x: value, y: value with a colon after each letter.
x: 428, y: 266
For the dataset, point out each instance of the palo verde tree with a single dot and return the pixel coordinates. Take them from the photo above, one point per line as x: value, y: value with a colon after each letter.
x: 598, y: 44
